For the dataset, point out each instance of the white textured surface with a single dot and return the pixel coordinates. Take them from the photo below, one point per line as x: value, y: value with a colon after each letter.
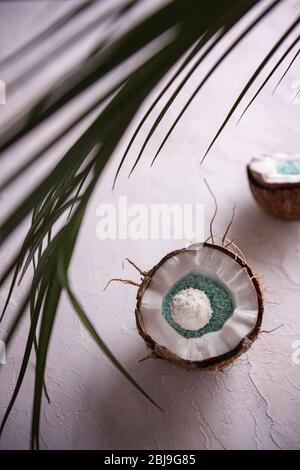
x: 253, y: 405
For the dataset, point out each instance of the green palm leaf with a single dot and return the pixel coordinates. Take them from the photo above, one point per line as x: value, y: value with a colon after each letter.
x: 234, y: 44
x: 253, y: 78
x: 287, y: 70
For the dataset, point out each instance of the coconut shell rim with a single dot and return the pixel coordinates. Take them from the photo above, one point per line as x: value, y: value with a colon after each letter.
x: 271, y: 186
x: 158, y: 351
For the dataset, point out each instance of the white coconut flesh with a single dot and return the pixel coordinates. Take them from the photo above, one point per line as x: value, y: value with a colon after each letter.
x: 196, y: 312
x: 278, y: 168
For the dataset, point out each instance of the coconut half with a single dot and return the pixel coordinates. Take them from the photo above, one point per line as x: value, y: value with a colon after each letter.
x: 275, y: 184
x: 199, y: 307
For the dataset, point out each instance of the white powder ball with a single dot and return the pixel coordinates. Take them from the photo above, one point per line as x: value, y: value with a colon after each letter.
x: 191, y: 309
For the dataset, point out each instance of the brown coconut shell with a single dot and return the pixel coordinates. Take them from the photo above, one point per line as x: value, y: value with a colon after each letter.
x: 219, y: 362
x: 281, y: 201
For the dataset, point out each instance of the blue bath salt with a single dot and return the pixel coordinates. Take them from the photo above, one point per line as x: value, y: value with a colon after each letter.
x: 288, y: 167
x: 219, y: 297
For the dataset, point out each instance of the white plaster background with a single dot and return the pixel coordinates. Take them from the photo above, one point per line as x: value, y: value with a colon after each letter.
x: 255, y: 404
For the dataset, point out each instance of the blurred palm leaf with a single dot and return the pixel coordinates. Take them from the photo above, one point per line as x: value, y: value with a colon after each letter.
x: 178, y: 31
